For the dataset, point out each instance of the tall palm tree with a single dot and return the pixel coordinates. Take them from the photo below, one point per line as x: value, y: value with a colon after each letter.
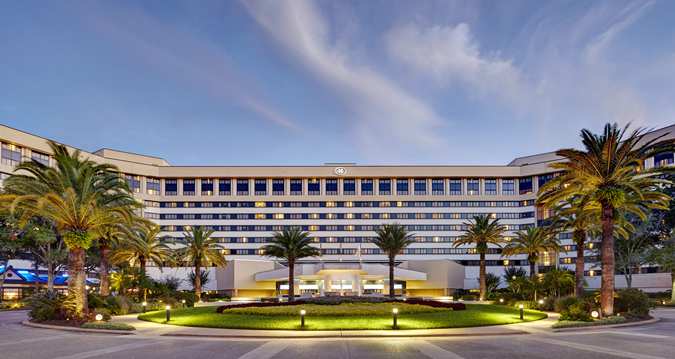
x: 532, y: 242
x: 140, y: 245
x: 108, y: 237
x: 201, y: 250
x: 392, y: 239
x: 290, y: 245
x: 78, y: 196
x: 610, y: 171
x: 481, y: 233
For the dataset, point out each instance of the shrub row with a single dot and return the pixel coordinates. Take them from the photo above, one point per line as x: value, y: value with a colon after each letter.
x: 430, y: 303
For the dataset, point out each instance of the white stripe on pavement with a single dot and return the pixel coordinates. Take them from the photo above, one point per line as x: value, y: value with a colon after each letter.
x: 593, y: 348
x: 110, y: 350
x: 266, y: 350
x: 658, y: 336
x: 434, y: 351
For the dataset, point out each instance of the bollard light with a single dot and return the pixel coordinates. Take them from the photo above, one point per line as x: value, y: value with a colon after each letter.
x: 302, y: 318
x: 540, y: 301
x: 183, y: 301
x: 501, y: 300
x: 395, y: 313
x: 168, y: 312
x: 145, y: 305
x: 521, y: 307
x: 99, y: 317
x: 595, y: 314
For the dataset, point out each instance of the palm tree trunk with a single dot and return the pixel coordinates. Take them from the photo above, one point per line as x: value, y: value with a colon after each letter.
x: 198, y: 280
x: 533, y: 275
x: 607, y: 252
x: 482, y: 278
x: 77, y: 278
x: 392, y: 291
x: 50, y: 277
x: 672, y: 286
x: 141, y: 279
x: 580, y: 240
x: 291, y: 280
x: 36, y: 267
x: 104, y: 289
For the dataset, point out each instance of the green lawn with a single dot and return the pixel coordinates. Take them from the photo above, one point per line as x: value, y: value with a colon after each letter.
x: 474, y: 315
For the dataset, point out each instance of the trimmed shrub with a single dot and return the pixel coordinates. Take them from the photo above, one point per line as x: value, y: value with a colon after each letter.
x: 47, y: 306
x: 632, y: 303
x: 118, y: 305
x: 573, y: 309
x: 95, y: 301
x: 108, y: 326
x: 103, y: 311
x: 562, y: 304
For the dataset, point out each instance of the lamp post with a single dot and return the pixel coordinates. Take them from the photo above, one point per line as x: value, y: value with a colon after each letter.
x: 145, y: 306
x: 183, y: 301
x: 521, y: 307
x: 168, y: 313
x: 302, y: 318
x: 395, y: 313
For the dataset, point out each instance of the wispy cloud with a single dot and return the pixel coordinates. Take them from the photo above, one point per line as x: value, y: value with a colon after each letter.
x: 387, y: 117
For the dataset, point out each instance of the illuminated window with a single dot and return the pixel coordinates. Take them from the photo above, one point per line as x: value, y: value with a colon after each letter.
x: 330, y: 204
x: 278, y: 216
x: 260, y: 204
x: 152, y: 186
x: 260, y: 216
x: 206, y: 186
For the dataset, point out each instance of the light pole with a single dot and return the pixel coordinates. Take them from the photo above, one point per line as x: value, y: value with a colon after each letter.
x: 302, y: 318
x: 520, y: 306
x: 395, y: 313
x: 168, y: 313
x: 145, y: 305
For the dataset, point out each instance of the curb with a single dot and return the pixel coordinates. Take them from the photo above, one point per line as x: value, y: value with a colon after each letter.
x: 620, y: 325
x: 75, y: 329
x: 343, y: 334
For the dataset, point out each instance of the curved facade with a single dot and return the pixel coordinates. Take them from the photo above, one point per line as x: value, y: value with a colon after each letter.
x: 339, y: 204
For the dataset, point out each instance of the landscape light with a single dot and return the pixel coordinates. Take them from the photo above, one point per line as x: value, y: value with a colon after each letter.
x: 302, y: 318
x: 521, y: 307
x: 145, y: 305
x: 168, y: 312
x: 540, y: 301
x: 99, y: 317
x: 501, y: 300
x: 395, y: 313
x: 183, y: 301
x: 595, y: 314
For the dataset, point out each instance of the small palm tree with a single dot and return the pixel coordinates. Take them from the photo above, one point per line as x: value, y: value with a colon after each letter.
x: 481, y: 233
x: 290, y: 245
x: 533, y: 242
x: 610, y: 172
x: 392, y: 239
x: 200, y: 249
x: 108, y: 237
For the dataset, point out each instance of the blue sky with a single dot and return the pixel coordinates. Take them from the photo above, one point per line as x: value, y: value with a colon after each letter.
x: 308, y: 82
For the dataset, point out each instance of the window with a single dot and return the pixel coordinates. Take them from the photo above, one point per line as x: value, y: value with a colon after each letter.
x: 508, y: 187
x: 402, y: 186
x: 242, y: 187
x: 525, y: 185
x: 331, y: 187
x: 366, y: 187
x: 207, y: 187
x: 170, y: 187
x: 40, y: 157
x: 278, y: 187
x: 385, y: 186
x: 224, y: 187
x: 188, y: 187
x: 11, y: 154
x: 491, y: 186
x: 542, y: 179
x: 152, y: 186
x: 473, y: 186
x: 663, y: 159
x: 420, y: 187
x: 296, y: 187
x: 437, y: 187
x: 314, y: 187
x: 134, y: 183
x: 455, y: 187
x: 260, y: 187
x: 349, y: 187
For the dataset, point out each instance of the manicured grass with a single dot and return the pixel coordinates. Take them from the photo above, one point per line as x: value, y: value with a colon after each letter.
x: 474, y: 315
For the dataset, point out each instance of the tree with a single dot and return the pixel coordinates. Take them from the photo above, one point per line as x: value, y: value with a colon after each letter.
x: 492, y: 283
x: 392, y: 239
x: 142, y: 244
x: 481, y: 233
x: 632, y: 253
x: 663, y: 254
x: 10, y: 245
x: 610, y: 172
x: 203, y: 278
x: 290, y: 245
x: 200, y: 249
x: 46, y: 249
x: 108, y: 236
x: 77, y: 195
x: 558, y: 282
x: 532, y: 242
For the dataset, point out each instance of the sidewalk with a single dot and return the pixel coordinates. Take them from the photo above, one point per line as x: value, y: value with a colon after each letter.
x: 155, y: 329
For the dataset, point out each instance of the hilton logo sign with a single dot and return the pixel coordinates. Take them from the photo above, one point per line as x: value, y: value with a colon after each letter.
x: 340, y: 171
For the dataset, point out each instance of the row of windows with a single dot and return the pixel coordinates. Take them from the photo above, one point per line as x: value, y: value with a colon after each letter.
x: 419, y: 239
x: 11, y: 155
x: 299, y: 216
x: 337, y: 227
x: 363, y: 251
x: 338, y: 204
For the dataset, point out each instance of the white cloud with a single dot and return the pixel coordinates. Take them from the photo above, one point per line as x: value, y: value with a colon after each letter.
x: 450, y: 55
x: 387, y: 116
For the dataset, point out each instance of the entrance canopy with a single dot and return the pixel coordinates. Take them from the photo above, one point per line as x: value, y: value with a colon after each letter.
x: 316, y: 271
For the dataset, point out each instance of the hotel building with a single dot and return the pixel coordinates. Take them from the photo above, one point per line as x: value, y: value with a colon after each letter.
x: 340, y: 205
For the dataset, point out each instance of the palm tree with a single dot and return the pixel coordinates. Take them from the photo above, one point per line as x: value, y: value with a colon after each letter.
x: 290, y: 245
x: 533, y: 242
x: 201, y: 249
x: 108, y: 237
x: 481, y: 233
x: 78, y: 196
x: 140, y: 245
x: 610, y: 172
x: 392, y: 239
x: 558, y: 281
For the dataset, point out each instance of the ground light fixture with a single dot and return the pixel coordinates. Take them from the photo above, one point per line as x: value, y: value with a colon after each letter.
x: 168, y: 312
x: 302, y: 318
x: 595, y: 314
x: 183, y: 301
x: 521, y: 307
x: 540, y: 301
x: 394, y: 312
x: 99, y: 317
x: 501, y: 300
x: 145, y: 306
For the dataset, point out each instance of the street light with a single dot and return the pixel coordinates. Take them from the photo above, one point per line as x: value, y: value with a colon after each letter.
x: 521, y: 307
x: 302, y: 318
x: 168, y: 312
x: 145, y: 305
x: 395, y: 313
